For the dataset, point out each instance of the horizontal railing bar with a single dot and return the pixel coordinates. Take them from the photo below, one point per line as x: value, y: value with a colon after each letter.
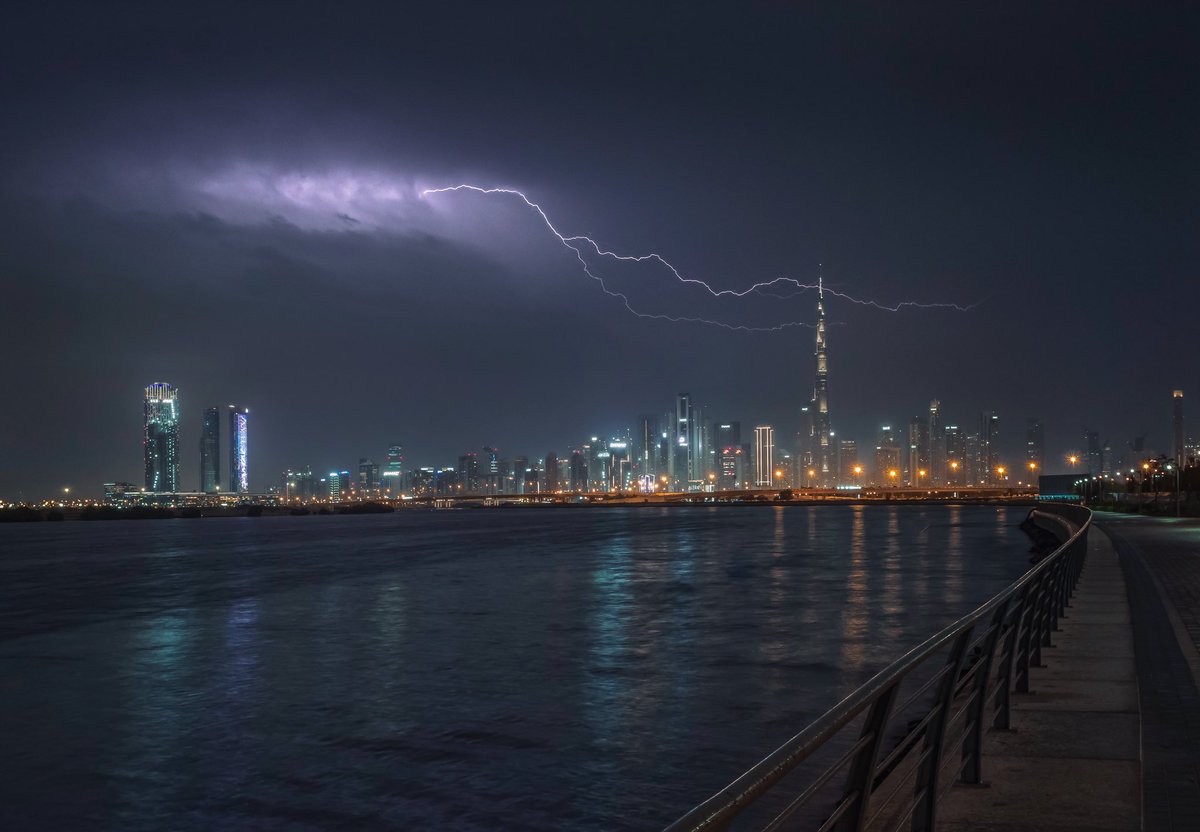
x: 825, y: 777
x: 903, y: 781
x: 915, y: 733
x: 924, y: 689
x: 839, y: 810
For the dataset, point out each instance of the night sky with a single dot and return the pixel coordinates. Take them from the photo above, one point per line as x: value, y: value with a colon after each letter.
x: 229, y: 200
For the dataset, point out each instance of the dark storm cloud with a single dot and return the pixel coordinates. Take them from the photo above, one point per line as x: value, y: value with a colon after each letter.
x: 151, y: 229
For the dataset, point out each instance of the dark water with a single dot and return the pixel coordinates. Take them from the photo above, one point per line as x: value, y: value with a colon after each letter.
x: 499, y: 669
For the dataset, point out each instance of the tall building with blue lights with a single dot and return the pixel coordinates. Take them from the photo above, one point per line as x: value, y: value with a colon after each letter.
x: 239, y: 477
x: 160, y: 437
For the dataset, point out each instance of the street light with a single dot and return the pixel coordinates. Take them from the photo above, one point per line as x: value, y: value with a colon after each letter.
x: 892, y: 474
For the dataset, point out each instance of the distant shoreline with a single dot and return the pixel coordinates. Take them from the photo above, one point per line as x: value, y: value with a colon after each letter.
x: 98, y: 513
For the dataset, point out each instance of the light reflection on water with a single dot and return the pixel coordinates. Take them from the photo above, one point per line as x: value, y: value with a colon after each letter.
x: 596, y: 669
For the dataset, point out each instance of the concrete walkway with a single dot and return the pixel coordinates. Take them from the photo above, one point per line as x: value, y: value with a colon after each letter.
x: 1072, y: 760
x: 1161, y: 559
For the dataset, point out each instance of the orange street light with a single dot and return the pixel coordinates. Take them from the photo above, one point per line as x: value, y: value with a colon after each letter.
x: 1001, y: 470
x: 857, y: 470
x: 1073, y: 459
x: 1032, y: 465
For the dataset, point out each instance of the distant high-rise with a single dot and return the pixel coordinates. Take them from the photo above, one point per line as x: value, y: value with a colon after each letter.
x: 887, y: 458
x: 764, y: 455
x: 368, y: 475
x: 680, y: 459
x: 937, y: 445
x: 848, y: 461
x: 917, y: 470
x: 645, y: 449
x: 521, y: 469
x: 393, y: 471
x: 1177, y: 450
x: 1035, y: 445
x: 1094, y: 456
x: 160, y: 437
x: 727, y: 435
x: 731, y: 473
x: 956, y: 456
x: 551, y: 466
x: 989, y: 447
x: 491, y: 470
x: 239, y: 478
x: 210, y: 450
x: 822, y: 434
x: 579, y: 472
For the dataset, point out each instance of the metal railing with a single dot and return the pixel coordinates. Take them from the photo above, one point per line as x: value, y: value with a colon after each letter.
x: 907, y: 751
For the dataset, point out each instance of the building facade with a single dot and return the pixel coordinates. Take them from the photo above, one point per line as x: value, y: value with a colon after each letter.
x: 239, y: 446
x: 764, y: 455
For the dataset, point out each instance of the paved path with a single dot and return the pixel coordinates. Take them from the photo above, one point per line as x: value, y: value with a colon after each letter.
x: 1072, y: 761
x: 1161, y: 559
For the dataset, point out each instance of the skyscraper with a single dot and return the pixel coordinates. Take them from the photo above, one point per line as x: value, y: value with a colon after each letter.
x: 368, y: 475
x: 887, y: 458
x: 680, y: 459
x: 956, y: 456
x: 989, y: 447
x: 1035, y: 445
x: 645, y: 449
x: 160, y: 437
x: 393, y: 472
x: 1094, y: 456
x: 848, y: 461
x: 822, y: 444
x: 1177, y: 450
x: 579, y: 472
x: 210, y: 450
x: 239, y: 478
x: 764, y: 455
x: 917, y: 471
x: 937, y: 445
x: 551, y: 472
x: 724, y: 435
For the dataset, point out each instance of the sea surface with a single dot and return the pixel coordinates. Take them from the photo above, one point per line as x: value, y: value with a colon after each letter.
x: 534, y: 669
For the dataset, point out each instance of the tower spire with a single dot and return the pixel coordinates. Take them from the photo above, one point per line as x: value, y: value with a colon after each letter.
x: 822, y: 435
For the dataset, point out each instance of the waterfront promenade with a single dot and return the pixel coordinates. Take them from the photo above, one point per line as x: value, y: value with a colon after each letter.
x: 1109, y: 736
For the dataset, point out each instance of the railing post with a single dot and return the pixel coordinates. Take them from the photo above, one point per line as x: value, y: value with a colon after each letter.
x: 1032, y: 637
x: 1048, y: 621
x: 861, y: 777
x: 924, y: 817
x: 972, y: 749
x: 1002, y: 718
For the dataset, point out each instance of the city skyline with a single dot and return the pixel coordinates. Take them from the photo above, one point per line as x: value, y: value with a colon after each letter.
x: 261, y: 237
x: 686, y: 451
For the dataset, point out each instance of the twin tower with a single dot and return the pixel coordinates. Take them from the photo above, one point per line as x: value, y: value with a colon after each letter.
x: 210, y: 450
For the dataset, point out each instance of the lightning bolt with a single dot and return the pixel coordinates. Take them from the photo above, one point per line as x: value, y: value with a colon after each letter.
x: 576, y: 243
